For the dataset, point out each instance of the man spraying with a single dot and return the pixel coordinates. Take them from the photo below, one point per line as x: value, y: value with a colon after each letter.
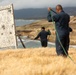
x: 62, y: 25
x: 43, y: 36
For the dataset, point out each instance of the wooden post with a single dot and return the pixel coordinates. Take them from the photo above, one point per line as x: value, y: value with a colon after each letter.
x: 21, y: 41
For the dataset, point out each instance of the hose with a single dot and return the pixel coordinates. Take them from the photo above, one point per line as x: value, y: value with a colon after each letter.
x: 59, y: 39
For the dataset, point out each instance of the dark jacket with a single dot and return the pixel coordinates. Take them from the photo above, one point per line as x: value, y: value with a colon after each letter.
x: 43, y: 35
x: 61, y: 21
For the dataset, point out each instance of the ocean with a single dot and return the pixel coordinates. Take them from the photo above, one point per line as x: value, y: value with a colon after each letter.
x: 21, y: 22
x: 31, y: 43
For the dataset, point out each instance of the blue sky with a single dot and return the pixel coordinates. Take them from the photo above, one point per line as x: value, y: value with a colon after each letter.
x: 20, y: 4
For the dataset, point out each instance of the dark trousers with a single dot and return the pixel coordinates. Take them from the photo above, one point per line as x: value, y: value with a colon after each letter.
x: 44, y: 43
x: 65, y: 42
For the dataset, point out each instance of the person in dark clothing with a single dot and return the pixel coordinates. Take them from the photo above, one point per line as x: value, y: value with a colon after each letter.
x: 43, y: 36
x: 62, y: 25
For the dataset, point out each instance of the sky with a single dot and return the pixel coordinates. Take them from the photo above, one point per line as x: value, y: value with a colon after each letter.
x: 21, y: 4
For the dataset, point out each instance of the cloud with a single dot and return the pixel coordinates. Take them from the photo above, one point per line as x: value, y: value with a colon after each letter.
x: 20, y: 4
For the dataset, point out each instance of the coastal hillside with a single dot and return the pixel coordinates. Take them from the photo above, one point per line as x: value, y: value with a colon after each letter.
x: 39, y: 13
x: 33, y: 29
x: 38, y: 61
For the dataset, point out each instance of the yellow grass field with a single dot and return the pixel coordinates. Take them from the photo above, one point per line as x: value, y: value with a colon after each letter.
x: 41, y: 61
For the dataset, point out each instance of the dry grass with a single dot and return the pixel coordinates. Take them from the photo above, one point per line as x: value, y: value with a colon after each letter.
x: 41, y: 61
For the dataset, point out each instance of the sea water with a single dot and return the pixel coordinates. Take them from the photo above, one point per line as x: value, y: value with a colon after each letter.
x: 31, y: 43
x: 21, y: 22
